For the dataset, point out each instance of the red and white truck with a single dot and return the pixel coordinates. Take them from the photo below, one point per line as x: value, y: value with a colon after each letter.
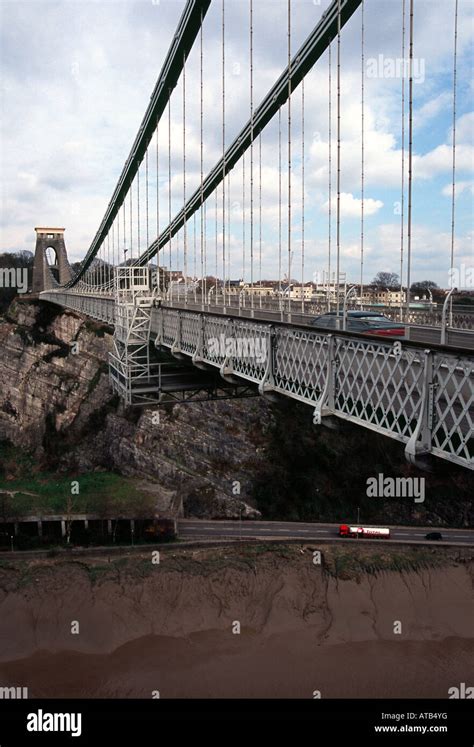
x: 345, y: 530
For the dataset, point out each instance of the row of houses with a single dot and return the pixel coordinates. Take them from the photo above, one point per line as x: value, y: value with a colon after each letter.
x: 175, y: 283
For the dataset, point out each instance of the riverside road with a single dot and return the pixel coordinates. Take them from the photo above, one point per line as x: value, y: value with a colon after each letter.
x: 199, y: 529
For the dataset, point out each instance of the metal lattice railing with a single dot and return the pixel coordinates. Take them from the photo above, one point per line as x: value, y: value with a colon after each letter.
x: 421, y: 397
x: 453, y: 408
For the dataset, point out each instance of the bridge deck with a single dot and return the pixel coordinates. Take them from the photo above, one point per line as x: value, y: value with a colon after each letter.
x: 423, y: 397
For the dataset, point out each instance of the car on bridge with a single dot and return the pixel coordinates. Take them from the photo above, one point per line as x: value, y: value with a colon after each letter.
x: 364, y: 322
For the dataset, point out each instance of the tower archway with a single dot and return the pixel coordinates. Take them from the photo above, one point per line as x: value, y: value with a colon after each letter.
x: 51, y: 262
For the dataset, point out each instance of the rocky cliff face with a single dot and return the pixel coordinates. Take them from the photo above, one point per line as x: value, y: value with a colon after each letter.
x: 53, y: 374
x: 56, y: 402
x: 212, y: 459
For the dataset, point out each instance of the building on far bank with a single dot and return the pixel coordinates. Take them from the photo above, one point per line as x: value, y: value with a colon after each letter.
x: 376, y: 296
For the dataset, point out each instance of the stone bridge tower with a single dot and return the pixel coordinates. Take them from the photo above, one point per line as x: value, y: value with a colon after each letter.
x: 50, y: 259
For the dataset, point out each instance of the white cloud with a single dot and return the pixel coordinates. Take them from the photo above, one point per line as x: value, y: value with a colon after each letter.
x: 440, y: 161
x: 461, y: 187
x: 464, y: 129
x: 432, y: 108
x: 431, y: 251
x: 351, y: 206
x: 69, y: 118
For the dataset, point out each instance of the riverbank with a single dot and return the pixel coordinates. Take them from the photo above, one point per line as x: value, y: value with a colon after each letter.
x: 233, y: 622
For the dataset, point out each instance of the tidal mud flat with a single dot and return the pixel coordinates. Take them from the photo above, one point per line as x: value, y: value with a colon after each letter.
x: 287, y: 665
x: 246, y: 621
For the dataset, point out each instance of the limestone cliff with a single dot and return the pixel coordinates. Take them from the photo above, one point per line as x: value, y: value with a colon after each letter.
x: 56, y: 402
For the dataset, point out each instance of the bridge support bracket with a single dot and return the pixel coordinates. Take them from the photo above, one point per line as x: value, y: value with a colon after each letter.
x: 226, y: 370
x: 176, y: 346
x: 161, y: 331
x: 324, y: 410
x: 420, y: 442
x: 197, y: 357
x: 267, y: 384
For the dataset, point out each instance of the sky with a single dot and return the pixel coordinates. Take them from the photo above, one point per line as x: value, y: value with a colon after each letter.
x: 77, y: 76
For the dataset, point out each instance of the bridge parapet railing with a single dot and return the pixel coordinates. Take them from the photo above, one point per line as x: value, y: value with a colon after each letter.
x: 421, y: 397
x: 246, y: 346
x: 213, y: 327
x: 189, y: 333
x: 301, y: 363
x: 452, y: 408
x: 168, y: 328
x: 380, y: 384
x: 102, y: 309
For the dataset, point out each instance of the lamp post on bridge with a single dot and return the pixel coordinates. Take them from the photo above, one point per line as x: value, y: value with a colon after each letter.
x: 241, y: 303
x: 344, y: 309
x: 444, y: 315
x: 290, y: 284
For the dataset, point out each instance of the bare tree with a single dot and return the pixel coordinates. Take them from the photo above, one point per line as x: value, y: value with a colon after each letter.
x: 386, y: 280
x: 422, y: 285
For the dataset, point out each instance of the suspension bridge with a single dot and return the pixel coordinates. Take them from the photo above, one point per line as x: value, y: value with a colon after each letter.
x: 159, y: 268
